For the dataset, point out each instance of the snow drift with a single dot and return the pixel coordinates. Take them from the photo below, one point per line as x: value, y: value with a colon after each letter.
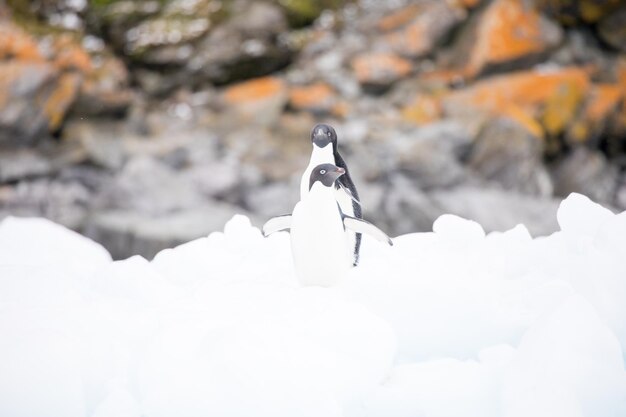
x: 448, y: 323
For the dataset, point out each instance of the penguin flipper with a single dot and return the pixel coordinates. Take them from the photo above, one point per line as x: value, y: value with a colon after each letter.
x: 276, y: 224
x: 362, y: 226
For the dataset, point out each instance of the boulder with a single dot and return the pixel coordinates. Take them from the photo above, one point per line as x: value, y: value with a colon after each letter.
x: 416, y: 29
x: 612, y: 29
x: 377, y: 71
x: 125, y: 233
x: 507, y: 154
x: 586, y: 172
x: 500, y: 210
x: 507, y: 34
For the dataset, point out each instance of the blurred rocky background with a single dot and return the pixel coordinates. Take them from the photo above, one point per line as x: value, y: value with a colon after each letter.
x: 147, y: 123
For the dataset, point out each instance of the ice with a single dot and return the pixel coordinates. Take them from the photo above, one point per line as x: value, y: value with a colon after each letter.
x: 568, y: 364
x: 454, y: 322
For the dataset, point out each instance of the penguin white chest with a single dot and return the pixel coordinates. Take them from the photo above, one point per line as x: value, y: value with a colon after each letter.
x: 320, y: 251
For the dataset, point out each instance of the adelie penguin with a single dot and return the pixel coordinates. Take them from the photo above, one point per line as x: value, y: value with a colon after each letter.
x: 318, y: 225
x: 324, y: 141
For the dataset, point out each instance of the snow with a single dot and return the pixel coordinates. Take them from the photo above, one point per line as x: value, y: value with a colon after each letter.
x: 450, y: 323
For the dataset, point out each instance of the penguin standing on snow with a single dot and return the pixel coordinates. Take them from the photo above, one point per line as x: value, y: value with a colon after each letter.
x: 324, y: 140
x: 320, y: 251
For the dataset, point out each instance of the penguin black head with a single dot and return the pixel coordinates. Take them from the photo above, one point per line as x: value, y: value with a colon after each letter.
x: 327, y: 174
x: 323, y: 134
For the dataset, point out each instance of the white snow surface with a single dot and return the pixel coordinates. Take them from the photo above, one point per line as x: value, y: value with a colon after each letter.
x: 443, y: 324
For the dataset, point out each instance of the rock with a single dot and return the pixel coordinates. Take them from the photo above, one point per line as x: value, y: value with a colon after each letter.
x: 431, y: 155
x: 273, y: 199
x: 508, y: 34
x: 506, y: 153
x: 303, y: 12
x: 376, y: 71
x: 41, y: 82
x: 259, y: 101
x: 570, y: 12
x: 520, y: 96
x: 422, y: 109
x: 23, y: 119
x: 155, y: 32
x: 22, y: 163
x: 586, y: 172
x: 148, y: 187
x: 602, y: 103
x: 318, y: 98
x: 418, y: 28
x: 612, y: 29
x: 561, y: 107
x: 126, y: 233
x: 64, y: 202
x: 405, y: 208
x: 499, y: 210
x: 105, y: 90
x: 246, y: 46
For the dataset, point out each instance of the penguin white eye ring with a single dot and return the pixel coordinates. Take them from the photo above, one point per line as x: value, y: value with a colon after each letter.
x: 322, y: 171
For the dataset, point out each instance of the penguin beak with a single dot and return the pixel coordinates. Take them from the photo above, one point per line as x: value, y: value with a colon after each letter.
x: 340, y: 171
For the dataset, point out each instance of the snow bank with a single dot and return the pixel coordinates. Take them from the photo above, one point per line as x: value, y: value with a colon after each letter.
x: 448, y: 323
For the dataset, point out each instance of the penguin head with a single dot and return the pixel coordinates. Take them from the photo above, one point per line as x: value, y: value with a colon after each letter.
x: 327, y: 174
x: 323, y: 134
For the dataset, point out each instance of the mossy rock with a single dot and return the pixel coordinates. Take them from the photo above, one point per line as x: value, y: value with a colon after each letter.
x: 303, y: 12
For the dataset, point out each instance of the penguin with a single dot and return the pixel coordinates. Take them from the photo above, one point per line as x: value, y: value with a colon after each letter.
x: 320, y: 251
x: 324, y: 141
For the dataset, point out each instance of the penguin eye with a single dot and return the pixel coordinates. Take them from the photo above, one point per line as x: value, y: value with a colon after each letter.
x: 328, y: 133
x: 322, y: 171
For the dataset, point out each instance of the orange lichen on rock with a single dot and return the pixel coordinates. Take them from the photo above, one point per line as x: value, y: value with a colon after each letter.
x: 253, y: 90
x: 427, y: 23
x: 527, y: 89
x: 510, y: 30
x: 380, y: 68
x: 422, y: 109
x: 604, y: 99
x: 56, y: 104
x: 398, y: 18
x: 523, y: 118
x: 68, y: 55
x: 315, y: 97
x: 17, y: 44
x: 561, y: 107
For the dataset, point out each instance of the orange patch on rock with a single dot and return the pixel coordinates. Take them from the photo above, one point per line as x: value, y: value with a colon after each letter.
x: 398, y: 18
x: 528, y: 89
x: 422, y: 110
x: 253, y: 90
x: 510, y: 30
x: 380, y: 68
x: 524, y: 119
x: 604, y: 100
x: 316, y: 97
x: 71, y: 56
x: 561, y: 107
x: 425, y: 25
x: 17, y: 44
x: 57, y: 104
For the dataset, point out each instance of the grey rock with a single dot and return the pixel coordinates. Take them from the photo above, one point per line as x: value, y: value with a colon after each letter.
x: 149, y: 187
x: 612, y: 29
x: 246, y: 46
x: 22, y: 163
x: 509, y: 155
x: 125, y: 233
x: 499, y: 210
x: 61, y: 201
x: 24, y: 89
x: 586, y: 172
x: 431, y: 155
